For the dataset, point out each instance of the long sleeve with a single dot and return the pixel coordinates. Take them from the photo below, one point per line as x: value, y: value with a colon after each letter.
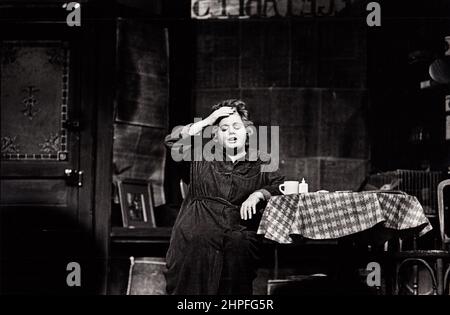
x: 178, y: 133
x: 180, y: 143
x: 272, y: 182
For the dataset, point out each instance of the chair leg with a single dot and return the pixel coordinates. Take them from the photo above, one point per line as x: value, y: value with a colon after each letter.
x: 396, y: 279
x: 440, y: 276
x: 447, y: 280
x: 415, y: 279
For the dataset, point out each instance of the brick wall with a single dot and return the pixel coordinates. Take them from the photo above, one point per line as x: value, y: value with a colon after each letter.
x: 306, y: 76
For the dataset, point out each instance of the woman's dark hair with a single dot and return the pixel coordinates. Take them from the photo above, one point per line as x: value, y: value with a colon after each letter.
x: 240, y: 108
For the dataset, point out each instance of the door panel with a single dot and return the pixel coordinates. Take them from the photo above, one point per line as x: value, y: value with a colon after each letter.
x: 43, y: 224
x: 36, y: 190
x: 37, y: 143
x: 34, y: 98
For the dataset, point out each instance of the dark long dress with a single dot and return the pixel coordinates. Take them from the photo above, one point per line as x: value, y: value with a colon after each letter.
x: 213, y: 251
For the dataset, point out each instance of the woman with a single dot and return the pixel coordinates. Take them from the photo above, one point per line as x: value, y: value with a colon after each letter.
x: 214, y: 246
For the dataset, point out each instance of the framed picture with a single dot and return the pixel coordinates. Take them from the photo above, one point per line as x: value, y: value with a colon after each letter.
x: 136, y: 203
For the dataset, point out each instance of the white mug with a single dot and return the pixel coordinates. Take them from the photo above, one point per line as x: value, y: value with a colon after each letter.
x: 289, y: 187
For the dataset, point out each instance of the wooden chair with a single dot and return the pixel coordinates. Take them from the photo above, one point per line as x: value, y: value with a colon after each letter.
x: 444, y: 237
x: 183, y: 188
x: 421, y: 258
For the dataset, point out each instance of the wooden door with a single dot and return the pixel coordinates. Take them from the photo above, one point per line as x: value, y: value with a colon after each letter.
x: 46, y: 219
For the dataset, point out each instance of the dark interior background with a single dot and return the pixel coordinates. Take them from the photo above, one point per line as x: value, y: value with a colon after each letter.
x: 346, y: 96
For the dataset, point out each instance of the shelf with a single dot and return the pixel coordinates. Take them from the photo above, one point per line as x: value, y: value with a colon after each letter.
x: 162, y: 235
x: 141, y: 235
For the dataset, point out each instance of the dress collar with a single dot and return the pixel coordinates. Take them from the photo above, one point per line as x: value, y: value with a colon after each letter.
x: 238, y: 157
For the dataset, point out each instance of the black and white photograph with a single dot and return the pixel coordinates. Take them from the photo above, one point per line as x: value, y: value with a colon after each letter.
x: 136, y: 204
x: 254, y: 149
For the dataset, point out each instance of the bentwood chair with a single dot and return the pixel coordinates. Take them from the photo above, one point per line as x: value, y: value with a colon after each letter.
x: 433, y: 261
x: 183, y: 189
x: 443, y: 233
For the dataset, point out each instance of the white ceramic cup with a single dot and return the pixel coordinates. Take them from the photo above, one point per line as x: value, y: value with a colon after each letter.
x: 289, y: 187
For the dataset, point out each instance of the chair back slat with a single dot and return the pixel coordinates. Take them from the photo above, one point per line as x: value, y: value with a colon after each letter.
x: 441, y: 210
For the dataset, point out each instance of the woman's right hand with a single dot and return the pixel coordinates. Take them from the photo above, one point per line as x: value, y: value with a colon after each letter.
x: 210, y: 120
x: 221, y: 112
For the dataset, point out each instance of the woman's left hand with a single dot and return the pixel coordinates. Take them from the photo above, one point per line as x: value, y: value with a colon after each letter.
x: 248, y: 208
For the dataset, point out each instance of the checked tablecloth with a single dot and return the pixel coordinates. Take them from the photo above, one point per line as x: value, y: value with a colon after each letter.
x: 334, y: 215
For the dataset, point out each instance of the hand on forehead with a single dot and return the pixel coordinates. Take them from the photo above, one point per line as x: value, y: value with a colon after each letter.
x: 233, y: 118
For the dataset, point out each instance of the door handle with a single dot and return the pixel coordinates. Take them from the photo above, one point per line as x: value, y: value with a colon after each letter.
x: 74, y: 177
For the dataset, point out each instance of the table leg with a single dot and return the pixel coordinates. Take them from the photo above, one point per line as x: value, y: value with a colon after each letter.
x: 276, y: 266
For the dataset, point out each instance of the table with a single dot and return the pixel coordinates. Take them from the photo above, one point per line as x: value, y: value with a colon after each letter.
x: 333, y: 215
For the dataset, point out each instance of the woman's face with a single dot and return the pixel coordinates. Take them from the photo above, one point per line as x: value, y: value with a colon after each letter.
x: 231, y: 133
